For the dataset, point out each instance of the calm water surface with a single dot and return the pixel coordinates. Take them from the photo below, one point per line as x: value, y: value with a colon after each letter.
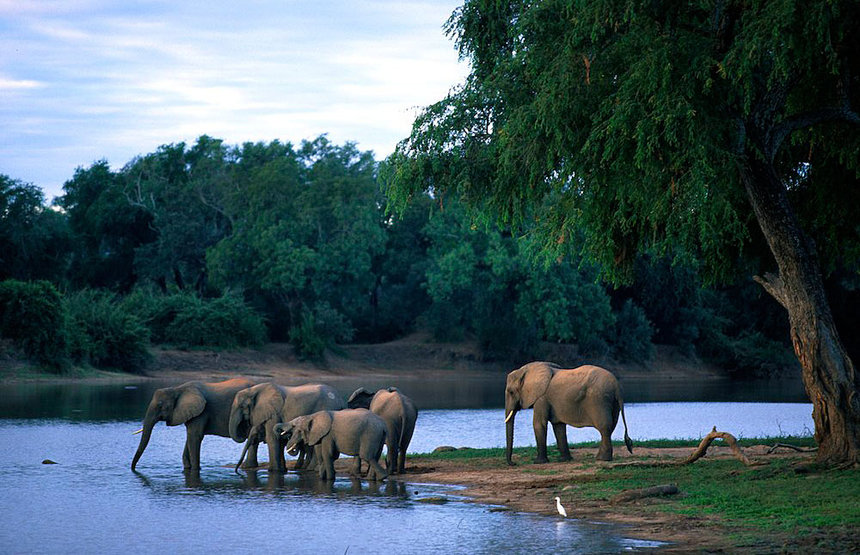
x: 92, y: 502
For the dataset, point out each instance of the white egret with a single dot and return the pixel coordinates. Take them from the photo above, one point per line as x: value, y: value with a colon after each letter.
x: 560, y: 508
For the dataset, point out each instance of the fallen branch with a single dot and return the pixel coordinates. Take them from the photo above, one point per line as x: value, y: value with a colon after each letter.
x: 795, y: 447
x: 706, y: 442
x: 654, y: 491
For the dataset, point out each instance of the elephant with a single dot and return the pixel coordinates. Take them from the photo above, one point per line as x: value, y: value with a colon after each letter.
x: 399, y: 414
x: 267, y: 404
x: 356, y: 432
x: 204, y: 408
x: 579, y: 397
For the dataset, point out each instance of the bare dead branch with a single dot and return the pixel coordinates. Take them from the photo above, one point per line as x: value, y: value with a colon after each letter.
x: 706, y: 442
x: 789, y: 446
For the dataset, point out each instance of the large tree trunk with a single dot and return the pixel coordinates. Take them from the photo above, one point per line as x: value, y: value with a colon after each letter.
x: 828, y: 373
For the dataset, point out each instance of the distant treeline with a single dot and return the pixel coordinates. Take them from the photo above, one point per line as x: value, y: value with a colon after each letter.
x: 228, y: 246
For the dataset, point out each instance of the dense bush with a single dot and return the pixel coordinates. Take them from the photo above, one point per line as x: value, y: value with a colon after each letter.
x: 633, y: 334
x: 103, y: 333
x: 186, y: 319
x: 33, y: 317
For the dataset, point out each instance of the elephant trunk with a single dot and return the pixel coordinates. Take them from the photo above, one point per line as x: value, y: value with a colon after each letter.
x: 148, y: 423
x: 238, y: 426
x: 242, y: 456
x: 509, y: 436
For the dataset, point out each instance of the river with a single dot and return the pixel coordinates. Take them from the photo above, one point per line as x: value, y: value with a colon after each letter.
x: 91, y: 502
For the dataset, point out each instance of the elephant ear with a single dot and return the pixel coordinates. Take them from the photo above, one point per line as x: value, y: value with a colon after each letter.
x: 534, y: 382
x: 360, y: 399
x: 189, y: 404
x: 268, y: 403
x: 319, y: 425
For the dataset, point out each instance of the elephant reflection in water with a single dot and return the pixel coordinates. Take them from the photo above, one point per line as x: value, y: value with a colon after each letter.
x: 587, y: 396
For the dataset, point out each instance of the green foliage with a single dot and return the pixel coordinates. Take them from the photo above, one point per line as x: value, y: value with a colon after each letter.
x: 34, y: 239
x: 33, y: 317
x: 104, y: 334
x: 307, y: 338
x: 188, y: 320
x: 106, y: 228
x: 633, y: 333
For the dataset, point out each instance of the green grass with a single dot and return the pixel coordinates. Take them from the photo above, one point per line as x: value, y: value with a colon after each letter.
x: 779, y: 497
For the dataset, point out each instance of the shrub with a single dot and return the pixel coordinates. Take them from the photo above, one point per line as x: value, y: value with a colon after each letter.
x: 104, y: 333
x: 306, y: 338
x: 187, y: 320
x: 32, y: 316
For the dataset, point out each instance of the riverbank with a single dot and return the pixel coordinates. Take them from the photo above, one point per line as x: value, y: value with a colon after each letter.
x: 416, y: 356
x: 722, y: 505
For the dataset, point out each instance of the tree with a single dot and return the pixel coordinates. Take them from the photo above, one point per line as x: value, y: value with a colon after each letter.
x: 695, y: 126
x: 34, y: 240
x: 178, y: 188
x: 106, y: 229
x: 305, y: 228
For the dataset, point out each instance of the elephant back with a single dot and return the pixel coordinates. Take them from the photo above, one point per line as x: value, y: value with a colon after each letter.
x: 310, y: 398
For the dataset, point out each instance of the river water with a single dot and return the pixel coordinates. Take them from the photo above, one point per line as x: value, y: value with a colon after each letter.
x: 91, y: 502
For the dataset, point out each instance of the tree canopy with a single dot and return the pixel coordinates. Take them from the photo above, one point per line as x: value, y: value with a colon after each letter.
x: 668, y: 127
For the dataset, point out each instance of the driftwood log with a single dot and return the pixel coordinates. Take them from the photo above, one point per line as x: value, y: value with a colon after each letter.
x: 706, y: 442
x: 654, y: 491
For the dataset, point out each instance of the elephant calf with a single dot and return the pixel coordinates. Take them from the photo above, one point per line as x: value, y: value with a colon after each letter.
x: 356, y: 432
x: 399, y: 414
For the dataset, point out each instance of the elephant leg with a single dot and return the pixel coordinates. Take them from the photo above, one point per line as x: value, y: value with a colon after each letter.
x: 560, y: 431
x: 276, y: 451
x: 540, y: 437
x: 391, y: 458
x: 186, y: 460
x: 194, y: 451
x: 375, y: 472
x: 356, y: 466
x: 327, y: 470
x: 604, y: 453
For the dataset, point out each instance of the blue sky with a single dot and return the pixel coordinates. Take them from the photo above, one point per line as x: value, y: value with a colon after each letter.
x: 82, y: 80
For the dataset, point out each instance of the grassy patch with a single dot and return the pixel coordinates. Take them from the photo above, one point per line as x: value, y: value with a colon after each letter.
x: 772, y: 498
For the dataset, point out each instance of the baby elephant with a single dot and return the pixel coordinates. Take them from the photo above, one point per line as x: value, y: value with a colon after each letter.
x: 356, y: 432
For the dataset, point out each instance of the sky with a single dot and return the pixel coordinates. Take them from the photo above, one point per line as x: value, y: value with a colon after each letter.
x: 85, y: 80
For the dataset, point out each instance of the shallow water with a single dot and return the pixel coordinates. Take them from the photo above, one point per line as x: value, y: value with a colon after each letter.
x: 92, y: 502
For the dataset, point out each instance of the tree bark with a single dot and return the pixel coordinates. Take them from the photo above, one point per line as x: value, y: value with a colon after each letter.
x: 829, y: 375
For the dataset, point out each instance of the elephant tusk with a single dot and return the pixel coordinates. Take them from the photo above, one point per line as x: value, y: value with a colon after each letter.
x: 137, y: 432
x: 510, y: 415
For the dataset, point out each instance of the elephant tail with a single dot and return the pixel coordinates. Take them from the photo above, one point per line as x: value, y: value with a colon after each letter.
x: 627, y: 441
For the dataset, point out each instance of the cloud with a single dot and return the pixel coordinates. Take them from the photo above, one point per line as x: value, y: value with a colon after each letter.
x: 84, y: 80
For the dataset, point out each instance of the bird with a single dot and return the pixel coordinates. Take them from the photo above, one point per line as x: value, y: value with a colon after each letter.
x: 560, y: 508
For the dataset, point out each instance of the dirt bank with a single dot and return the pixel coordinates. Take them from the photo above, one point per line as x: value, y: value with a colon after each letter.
x: 414, y: 355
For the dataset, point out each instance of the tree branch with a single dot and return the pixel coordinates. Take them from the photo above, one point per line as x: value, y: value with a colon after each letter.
x: 774, y: 285
x: 807, y: 119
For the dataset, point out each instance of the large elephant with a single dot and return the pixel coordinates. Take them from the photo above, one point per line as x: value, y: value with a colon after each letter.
x: 267, y: 404
x: 356, y: 432
x: 399, y: 414
x: 579, y: 397
x: 204, y: 408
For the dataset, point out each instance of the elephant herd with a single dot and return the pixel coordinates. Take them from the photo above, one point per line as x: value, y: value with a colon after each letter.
x: 315, y: 423
x: 311, y: 420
